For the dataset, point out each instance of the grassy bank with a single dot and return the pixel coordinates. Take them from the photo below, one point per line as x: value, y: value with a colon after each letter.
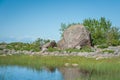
x: 59, y: 61
x: 104, y: 68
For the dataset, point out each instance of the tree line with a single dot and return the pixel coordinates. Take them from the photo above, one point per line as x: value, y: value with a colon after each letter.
x: 102, y: 31
x: 33, y: 46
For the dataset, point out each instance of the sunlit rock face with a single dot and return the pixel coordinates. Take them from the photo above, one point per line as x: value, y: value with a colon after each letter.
x: 75, y: 36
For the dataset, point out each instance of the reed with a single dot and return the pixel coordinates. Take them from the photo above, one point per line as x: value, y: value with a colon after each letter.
x: 97, y: 68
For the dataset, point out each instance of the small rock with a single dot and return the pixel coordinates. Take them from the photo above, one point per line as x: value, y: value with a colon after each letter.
x: 74, y: 65
x: 67, y: 64
x: 78, y: 47
x: 44, y: 50
x: 98, y: 58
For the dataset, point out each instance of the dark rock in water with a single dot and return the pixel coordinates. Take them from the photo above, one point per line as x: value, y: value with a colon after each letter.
x: 74, y: 36
x: 49, y: 44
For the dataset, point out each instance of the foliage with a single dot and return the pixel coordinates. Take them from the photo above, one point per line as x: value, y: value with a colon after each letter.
x: 34, y: 46
x: 83, y: 49
x: 1, y: 48
x: 72, y: 50
x: 50, y: 49
x: 86, y: 49
x: 102, y: 31
x: 109, y: 51
x: 102, y: 46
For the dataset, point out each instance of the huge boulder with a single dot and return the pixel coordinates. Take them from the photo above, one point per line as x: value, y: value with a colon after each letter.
x: 75, y: 36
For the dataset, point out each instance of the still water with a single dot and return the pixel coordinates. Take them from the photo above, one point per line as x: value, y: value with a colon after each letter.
x: 24, y: 73
x: 63, y: 73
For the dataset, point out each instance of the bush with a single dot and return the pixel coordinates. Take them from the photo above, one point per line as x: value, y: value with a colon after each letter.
x: 86, y: 49
x: 53, y: 49
x: 83, y: 49
x: 102, y: 46
x: 109, y: 51
x: 72, y: 50
x: 1, y: 48
x: 115, y: 42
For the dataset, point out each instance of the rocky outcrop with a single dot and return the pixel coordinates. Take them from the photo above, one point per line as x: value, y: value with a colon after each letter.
x: 75, y: 36
x: 50, y: 44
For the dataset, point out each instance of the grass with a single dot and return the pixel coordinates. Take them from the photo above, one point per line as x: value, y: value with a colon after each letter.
x: 98, y: 68
x: 102, y: 46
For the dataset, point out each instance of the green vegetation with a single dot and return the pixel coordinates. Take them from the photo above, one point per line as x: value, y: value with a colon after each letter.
x: 103, y: 34
x: 53, y: 49
x: 102, y: 46
x: 102, y: 31
x: 109, y: 51
x: 34, y: 46
x: 105, y: 69
x: 83, y: 49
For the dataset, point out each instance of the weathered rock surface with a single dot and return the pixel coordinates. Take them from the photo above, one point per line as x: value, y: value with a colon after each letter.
x: 50, y: 44
x: 75, y: 36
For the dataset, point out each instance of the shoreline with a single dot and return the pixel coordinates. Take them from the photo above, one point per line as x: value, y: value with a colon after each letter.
x: 97, y: 53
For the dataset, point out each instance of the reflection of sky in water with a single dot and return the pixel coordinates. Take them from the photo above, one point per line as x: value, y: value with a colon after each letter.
x: 23, y: 73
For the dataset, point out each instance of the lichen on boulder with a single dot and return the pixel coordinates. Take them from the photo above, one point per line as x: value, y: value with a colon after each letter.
x: 75, y: 36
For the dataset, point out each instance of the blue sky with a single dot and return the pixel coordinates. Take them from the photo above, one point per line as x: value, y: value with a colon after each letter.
x: 26, y: 20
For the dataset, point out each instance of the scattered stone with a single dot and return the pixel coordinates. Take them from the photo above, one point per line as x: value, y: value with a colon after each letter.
x: 97, y: 54
x: 44, y: 50
x: 78, y: 47
x: 74, y: 65
x: 98, y: 58
x: 67, y: 64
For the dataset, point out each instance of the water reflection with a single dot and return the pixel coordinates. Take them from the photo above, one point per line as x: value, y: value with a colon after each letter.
x: 23, y: 73
x: 73, y: 73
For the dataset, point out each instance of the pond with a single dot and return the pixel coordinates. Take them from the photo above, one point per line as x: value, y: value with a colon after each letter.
x: 25, y: 73
x: 63, y: 73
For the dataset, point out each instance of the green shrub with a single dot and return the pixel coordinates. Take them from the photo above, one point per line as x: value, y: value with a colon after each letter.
x: 109, y: 51
x: 53, y: 49
x: 86, y: 49
x: 115, y: 42
x: 1, y: 48
x: 83, y: 49
x: 72, y: 50
x: 102, y: 46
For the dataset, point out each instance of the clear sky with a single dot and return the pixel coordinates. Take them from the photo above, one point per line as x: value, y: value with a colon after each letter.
x: 26, y: 20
